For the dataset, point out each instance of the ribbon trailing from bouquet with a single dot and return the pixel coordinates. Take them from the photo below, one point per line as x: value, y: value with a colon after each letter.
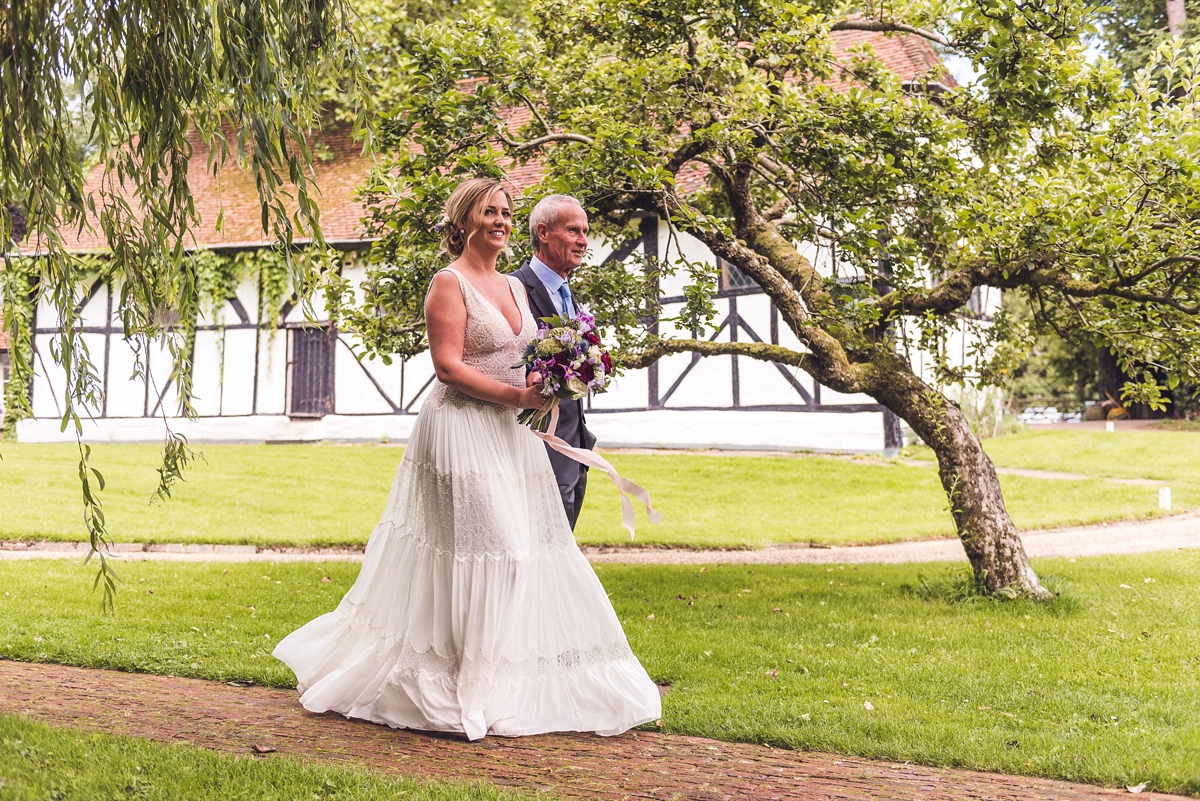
x: 593, y: 459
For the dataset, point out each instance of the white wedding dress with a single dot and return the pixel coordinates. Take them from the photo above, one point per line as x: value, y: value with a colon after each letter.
x: 475, y: 611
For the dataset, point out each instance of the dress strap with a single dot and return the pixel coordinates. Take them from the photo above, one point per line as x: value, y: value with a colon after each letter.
x: 518, y: 289
x: 464, y: 286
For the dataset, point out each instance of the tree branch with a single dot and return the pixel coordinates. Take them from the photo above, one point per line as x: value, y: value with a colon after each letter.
x: 952, y: 293
x: 762, y: 351
x: 716, y: 168
x: 533, y: 110
x: 542, y: 140
x: 1158, y: 265
x: 686, y: 152
x: 879, y: 26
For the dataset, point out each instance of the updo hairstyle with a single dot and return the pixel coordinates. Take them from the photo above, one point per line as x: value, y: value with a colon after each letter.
x: 464, y: 212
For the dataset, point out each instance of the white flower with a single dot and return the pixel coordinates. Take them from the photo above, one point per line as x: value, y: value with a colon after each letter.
x: 577, y: 387
x: 594, y: 353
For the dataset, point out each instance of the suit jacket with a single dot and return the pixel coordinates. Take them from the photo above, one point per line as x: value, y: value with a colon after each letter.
x: 571, y: 424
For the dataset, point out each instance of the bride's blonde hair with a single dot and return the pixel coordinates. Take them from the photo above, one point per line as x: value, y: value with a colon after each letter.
x: 464, y: 212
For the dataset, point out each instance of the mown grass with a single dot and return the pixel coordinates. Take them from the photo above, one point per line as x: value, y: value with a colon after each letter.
x: 735, y: 501
x: 333, y: 495
x: 1101, y: 685
x: 1169, y: 456
x: 39, y: 762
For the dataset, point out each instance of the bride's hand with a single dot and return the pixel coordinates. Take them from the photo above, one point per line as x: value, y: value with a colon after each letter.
x: 531, y: 397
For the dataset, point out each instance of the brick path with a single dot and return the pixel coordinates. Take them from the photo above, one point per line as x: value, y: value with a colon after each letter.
x: 637, y: 765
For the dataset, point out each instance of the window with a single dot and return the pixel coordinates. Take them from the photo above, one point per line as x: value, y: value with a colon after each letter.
x: 732, y: 277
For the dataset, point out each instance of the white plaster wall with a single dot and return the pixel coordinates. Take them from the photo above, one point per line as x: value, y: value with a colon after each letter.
x: 353, y: 391
x: 206, y: 372
x: 229, y: 389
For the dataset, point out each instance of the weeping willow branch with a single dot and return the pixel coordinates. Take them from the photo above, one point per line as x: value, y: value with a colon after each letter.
x: 246, y: 79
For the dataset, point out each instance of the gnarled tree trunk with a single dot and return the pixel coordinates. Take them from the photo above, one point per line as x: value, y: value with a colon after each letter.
x: 969, y: 478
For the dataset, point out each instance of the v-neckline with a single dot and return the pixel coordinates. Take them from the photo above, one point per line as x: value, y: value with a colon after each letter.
x: 511, y: 293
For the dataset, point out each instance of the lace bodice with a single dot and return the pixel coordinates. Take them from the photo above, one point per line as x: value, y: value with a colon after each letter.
x: 489, y: 346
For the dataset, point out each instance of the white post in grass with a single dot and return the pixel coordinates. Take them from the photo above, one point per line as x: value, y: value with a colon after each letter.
x: 1110, y: 426
x: 1164, y: 497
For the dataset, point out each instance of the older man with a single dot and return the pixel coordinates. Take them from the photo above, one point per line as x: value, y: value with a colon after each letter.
x: 559, y: 228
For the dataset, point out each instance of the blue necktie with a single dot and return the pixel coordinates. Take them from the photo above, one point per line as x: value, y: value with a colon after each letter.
x: 565, y: 294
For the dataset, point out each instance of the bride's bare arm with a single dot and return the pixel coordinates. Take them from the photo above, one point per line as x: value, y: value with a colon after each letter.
x: 446, y: 324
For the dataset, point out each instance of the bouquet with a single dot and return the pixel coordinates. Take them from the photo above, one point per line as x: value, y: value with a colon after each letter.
x: 567, y: 353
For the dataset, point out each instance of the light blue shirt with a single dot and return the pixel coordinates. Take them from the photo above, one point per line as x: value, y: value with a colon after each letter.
x: 553, y: 283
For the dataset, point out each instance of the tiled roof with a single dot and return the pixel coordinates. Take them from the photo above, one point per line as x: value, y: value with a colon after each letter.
x: 340, y: 167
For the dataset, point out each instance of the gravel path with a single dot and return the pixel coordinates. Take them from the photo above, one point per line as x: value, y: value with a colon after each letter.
x: 1161, y: 534
x: 636, y: 765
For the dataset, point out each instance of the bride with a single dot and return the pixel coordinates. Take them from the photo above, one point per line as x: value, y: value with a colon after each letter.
x: 475, y: 612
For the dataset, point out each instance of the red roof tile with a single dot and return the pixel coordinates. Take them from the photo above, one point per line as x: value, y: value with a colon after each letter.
x: 340, y: 166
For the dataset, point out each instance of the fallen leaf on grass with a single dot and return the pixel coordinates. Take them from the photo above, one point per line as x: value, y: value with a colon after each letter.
x: 650, y: 616
x: 1126, y: 587
x: 324, y: 579
x: 1136, y: 788
x: 262, y: 749
x: 1145, y: 634
x: 772, y: 674
x: 867, y: 705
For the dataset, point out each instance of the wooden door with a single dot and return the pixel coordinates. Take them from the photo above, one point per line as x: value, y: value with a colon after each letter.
x: 312, y: 372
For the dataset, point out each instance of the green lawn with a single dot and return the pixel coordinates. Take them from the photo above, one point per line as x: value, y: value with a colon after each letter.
x: 39, y: 762
x: 1170, y: 456
x: 333, y: 495
x: 1101, y: 685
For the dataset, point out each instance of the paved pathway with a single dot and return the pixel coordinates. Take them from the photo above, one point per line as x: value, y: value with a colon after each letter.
x: 1160, y: 534
x: 637, y: 765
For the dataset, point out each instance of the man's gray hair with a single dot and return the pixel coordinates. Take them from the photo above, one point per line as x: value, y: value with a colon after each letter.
x: 546, y: 213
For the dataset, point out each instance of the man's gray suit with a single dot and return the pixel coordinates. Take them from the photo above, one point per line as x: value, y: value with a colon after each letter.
x: 571, y: 475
